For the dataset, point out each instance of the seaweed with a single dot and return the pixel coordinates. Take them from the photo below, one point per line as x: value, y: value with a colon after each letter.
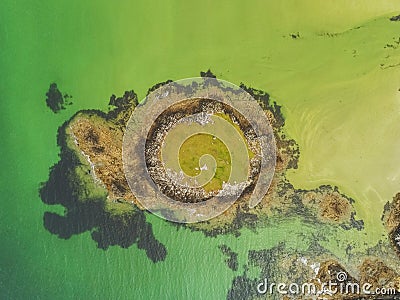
x: 55, y: 100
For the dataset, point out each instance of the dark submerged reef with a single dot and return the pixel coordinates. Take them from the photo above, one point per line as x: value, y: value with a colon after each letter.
x: 70, y: 184
x: 55, y: 100
x: 231, y: 257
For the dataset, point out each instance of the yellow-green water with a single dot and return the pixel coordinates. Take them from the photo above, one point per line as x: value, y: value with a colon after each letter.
x: 340, y: 106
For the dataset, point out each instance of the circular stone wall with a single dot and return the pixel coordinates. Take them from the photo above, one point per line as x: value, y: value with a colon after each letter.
x: 194, y: 146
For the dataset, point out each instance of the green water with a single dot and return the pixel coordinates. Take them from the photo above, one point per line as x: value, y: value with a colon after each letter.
x: 341, y: 107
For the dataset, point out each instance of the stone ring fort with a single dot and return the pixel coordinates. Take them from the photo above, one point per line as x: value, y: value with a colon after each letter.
x: 195, y: 146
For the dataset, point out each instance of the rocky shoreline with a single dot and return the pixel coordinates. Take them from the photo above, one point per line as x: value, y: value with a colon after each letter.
x: 173, y: 116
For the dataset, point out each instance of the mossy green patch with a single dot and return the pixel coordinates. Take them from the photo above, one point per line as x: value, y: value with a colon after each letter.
x: 202, y: 144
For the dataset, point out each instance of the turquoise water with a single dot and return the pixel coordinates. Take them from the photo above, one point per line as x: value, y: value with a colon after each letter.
x: 95, y: 49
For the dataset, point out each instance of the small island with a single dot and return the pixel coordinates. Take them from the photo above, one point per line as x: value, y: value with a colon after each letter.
x: 89, y: 182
